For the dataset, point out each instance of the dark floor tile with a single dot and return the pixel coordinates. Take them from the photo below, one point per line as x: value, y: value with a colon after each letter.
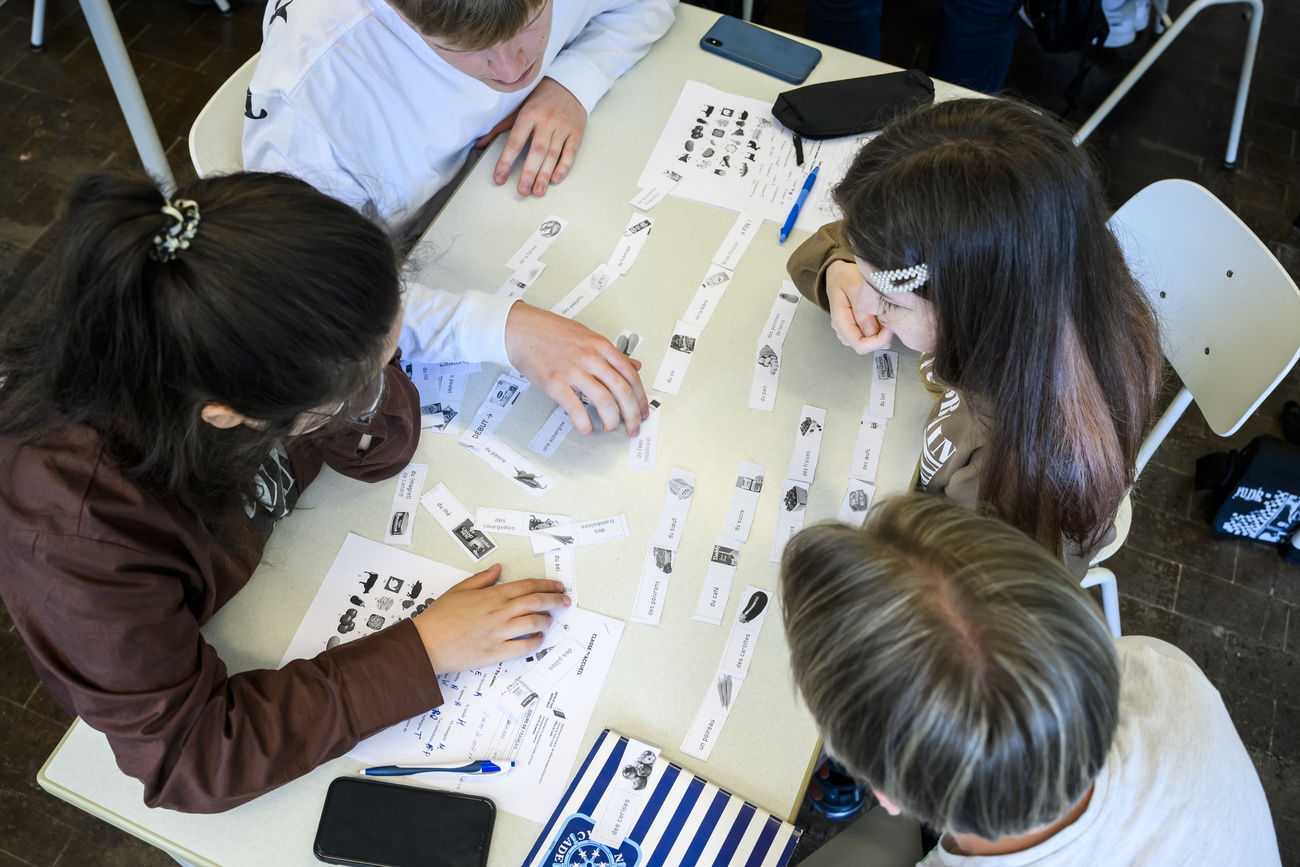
x: 26, y: 741
x: 106, y: 846
x: 1281, y: 780
x: 1145, y: 577
x: 24, y: 832
x: 1261, y: 568
x: 7, y: 860
x: 1251, y: 713
x: 1206, y: 645
x: 1213, y: 600
x: 1250, y: 665
x: 1182, y: 541
x: 1190, y: 438
x: 1165, y: 489
x: 1288, y: 841
x: 1275, y: 629
x: 17, y: 678
x: 1286, y: 729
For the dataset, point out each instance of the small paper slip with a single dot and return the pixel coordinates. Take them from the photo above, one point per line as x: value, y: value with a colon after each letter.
x: 560, y: 567
x: 672, y: 516
x: 538, y: 243
x: 585, y: 292
x: 744, y: 501
x: 708, y: 296
x: 641, y: 449
x: 463, y: 368
x: 737, y: 240
x: 681, y: 819
x: 501, y: 396
x: 401, y: 518
x: 519, y: 282
x: 857, y: 500
x: 767, y: 374
x: 717, y: 581
x: 630, y: 243
x: 656, y: 570
x: 627, y: 342
x: 545, y: 669
x: 441, y: 416
x: 754, y: 605
x: 783, y: 310
x: 453, y: 518
x: 653, y: 194
x: 579, y: 535
x: 514, y: 523
x: 790, y: 516
x: 427, y: 379
x: 866, y: 452
x: 884, y: 381
x: 677, y: 358
x: 552, y: 432
x: 807, y: 444
x: 513, y: 466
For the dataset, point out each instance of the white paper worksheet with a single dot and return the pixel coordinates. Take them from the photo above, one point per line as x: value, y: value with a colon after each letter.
x: 542, y: 736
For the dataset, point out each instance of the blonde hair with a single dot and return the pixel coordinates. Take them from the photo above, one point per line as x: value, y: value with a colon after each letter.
x: 951, y: 661
x: 471, y: 25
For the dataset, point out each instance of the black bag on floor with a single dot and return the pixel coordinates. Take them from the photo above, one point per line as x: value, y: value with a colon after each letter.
x: 1256, y: 491
x: 1070, y: 25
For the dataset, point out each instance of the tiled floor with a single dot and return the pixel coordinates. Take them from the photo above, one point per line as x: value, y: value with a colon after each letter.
x: 1231, y: 605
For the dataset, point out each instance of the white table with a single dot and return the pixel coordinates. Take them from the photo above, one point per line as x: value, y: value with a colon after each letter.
x: 660, y: 674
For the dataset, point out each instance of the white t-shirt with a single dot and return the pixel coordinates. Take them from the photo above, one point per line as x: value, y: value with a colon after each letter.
x: 352, y: 100
x: 442, y: 326
x: 1178, y: 787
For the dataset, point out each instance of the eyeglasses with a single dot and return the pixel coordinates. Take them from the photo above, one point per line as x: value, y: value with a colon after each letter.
x: 372, y: 408
x: 371, y: 399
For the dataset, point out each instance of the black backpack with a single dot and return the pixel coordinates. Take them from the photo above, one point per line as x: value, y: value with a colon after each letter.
x: 1070, y: 25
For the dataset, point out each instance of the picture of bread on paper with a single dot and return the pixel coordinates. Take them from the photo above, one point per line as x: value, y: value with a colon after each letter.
x: 472, y: 539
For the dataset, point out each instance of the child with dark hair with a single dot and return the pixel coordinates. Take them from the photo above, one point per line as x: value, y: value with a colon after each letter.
x: 188, y: 369
x: 975, y: 231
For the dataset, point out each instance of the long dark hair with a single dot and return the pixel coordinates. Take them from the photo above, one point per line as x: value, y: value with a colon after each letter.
x: 281, y: 304
x: 1039, y: 322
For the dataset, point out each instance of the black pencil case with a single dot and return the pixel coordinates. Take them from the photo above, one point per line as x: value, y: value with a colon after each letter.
x: 852, y: 105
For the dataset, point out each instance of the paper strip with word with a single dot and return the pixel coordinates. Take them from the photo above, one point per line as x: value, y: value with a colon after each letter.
x: 744, y: 501
x: 401, y: 518
x: 641, y: 449
x: 783, y: 310
x: 653, y: 194
x: 453, y: 518
x: 538, y: 243
x: 560, y: 567
x: 586, y: 292
x: 519, y: 282
x: 857, y: 500
x: 656, y: 571
x: 866, y: 452
x: 500, y: 397
x: 737, y: 240
x: 677, y: 357
x: 717, y: 581
x: 579, y: 535
x: 884, y: 381
x: 789, y: 517
x: 514, y: 523
x: 767, y: 374
x: 513, y: 466
x: 672, y: 515
x: 630, y: 243
x: 708, y: 295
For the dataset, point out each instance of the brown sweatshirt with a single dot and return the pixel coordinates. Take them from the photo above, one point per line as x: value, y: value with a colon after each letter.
x: 952, y: 448
x: 108, y: 587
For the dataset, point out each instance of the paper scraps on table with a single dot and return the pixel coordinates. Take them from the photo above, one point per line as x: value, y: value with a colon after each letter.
x: 737, y: 240
x: 515, y: 523
x: 656, y: 572
x: 807, y: 444
x: 580, y: 534
x: 717, y: 581
x: 630, y: 242
x: 857, y: 500
x: 866, y: 452
x: 722, y: 692
x: 513, y: 466
x: 658, y: 564
x: 586, y: 292
x: 677, y: 357
x: 651, y: 195
x: 789, y: 516
x: 401, y: 518
x: 500, y: 397
x: 884, y: 382
x: 441, y: 416
x: 538, y: 243
x: 744, y: 501
x: 708, y: 295
x: 641, y: 449
x: 767, y: 358
x: 552, y: 432
x: 454, y: 518
x: 560, y: 567
x: 519, y: 282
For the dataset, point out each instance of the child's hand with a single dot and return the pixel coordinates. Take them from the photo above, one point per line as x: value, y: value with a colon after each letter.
x: 853, y: 309
x: 554, y: 119
x: 472, y: 624
x: 560, y: 356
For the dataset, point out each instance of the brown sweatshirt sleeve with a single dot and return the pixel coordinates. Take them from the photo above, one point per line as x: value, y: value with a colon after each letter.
x: 116, y: 632
x: 807, y: 265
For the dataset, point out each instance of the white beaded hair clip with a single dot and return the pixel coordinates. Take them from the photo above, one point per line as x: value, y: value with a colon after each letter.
x: 901, y: 279
x: 178, y: 235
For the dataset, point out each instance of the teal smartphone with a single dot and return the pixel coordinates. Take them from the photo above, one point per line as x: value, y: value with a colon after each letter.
x: 757, y: 48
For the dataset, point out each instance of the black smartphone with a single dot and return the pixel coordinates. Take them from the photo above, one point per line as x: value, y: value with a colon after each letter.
x: 378, y: 824
x: 752, y: 46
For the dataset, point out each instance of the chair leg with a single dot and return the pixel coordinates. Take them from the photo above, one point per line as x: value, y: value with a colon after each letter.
x: 1100, y: 575
x: 1243, y: 84
x: 38, y: 25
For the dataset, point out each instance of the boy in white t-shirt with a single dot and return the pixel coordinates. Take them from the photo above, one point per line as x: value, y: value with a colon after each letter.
x: 955, y: 668
x: 378, y: 103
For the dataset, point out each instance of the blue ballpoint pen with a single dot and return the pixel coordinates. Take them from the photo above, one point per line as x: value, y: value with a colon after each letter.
x: 798, y: 203
x: 479, y: 767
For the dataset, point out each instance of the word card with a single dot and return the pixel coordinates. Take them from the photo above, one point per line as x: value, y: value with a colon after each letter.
x: 655, y: 192
x: 552, y: 432
x: 538, y: 243
x: 579, y: 535
x: 513, y: 523
x: 441, y: 416
x: 630, y: 242
x: 737, y: 240
x: 708, y: 296
x: 624, y: 795
x: 401, y: 518
x: 717, y: 582
x: 656, y: 570
x: 744, y: 501
x: 519, y: 282
x: 560, y: 567
x: 501, y: 396
x: 767, y: 359
x: 453, y: 518
x: 884, y: 382
x: 866, y: 453
x: 677, y: 357
x: 721, y: 694
x: 672, y: 516
x: 641, y: 449
x: 789, y: 516
x: 513, y: 466
x: 857, y: 500
x: 586, y: 292
x: 807, y: 444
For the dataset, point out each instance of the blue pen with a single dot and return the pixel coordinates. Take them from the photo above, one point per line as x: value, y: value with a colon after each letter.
x: 480, y: 767
x: 798, y: 203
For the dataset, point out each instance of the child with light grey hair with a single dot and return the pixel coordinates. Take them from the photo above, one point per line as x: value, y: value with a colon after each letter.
x: 956, y: 668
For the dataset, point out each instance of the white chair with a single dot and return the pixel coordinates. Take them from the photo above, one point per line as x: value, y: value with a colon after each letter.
x: 1256, y: 12
x: 216, y: 137
x: 1229, y: 317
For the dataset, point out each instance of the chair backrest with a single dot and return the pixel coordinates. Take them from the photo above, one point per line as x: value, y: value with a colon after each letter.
x: 216, y: 138
x: 1229, y: 313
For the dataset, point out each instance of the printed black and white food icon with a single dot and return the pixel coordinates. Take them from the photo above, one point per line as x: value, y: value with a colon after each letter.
x: 627, y: 343
x: 680, y: 488
x: 754, y: 607
x: 375, y: 621
x: 727, y: 112
x: 808, y: 425
x: 707, y: 110
x: 698, y: 132
x: 719, y: 133
x: 398, y: 525
x: 414, y: 592
x: 333, y: 642
x: 717, y: 278
x: 858, y: 501
x: 473, y: 539
x: 423, y: 605
x: 664, y: 560
x: 725, y: 687
x: 708, y: 152
x: 356, y: 600
x: 885, y: 366
x: 795, y: 499
x: 524, y: 477
x: 385, y: 603
x: 393, y: 584
x: 369, y: 581
x: 549, y: 229
x: 745, y: 483
x: 348, y: 621
x: 788, y: 298
x: 682, y: 343
x: 768, y: 358
x: 725, y: 556
x: 505, y: 395
x: 407, y: 603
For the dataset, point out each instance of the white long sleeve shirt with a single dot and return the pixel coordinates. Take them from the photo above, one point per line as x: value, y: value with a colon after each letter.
x: 352, y: 100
